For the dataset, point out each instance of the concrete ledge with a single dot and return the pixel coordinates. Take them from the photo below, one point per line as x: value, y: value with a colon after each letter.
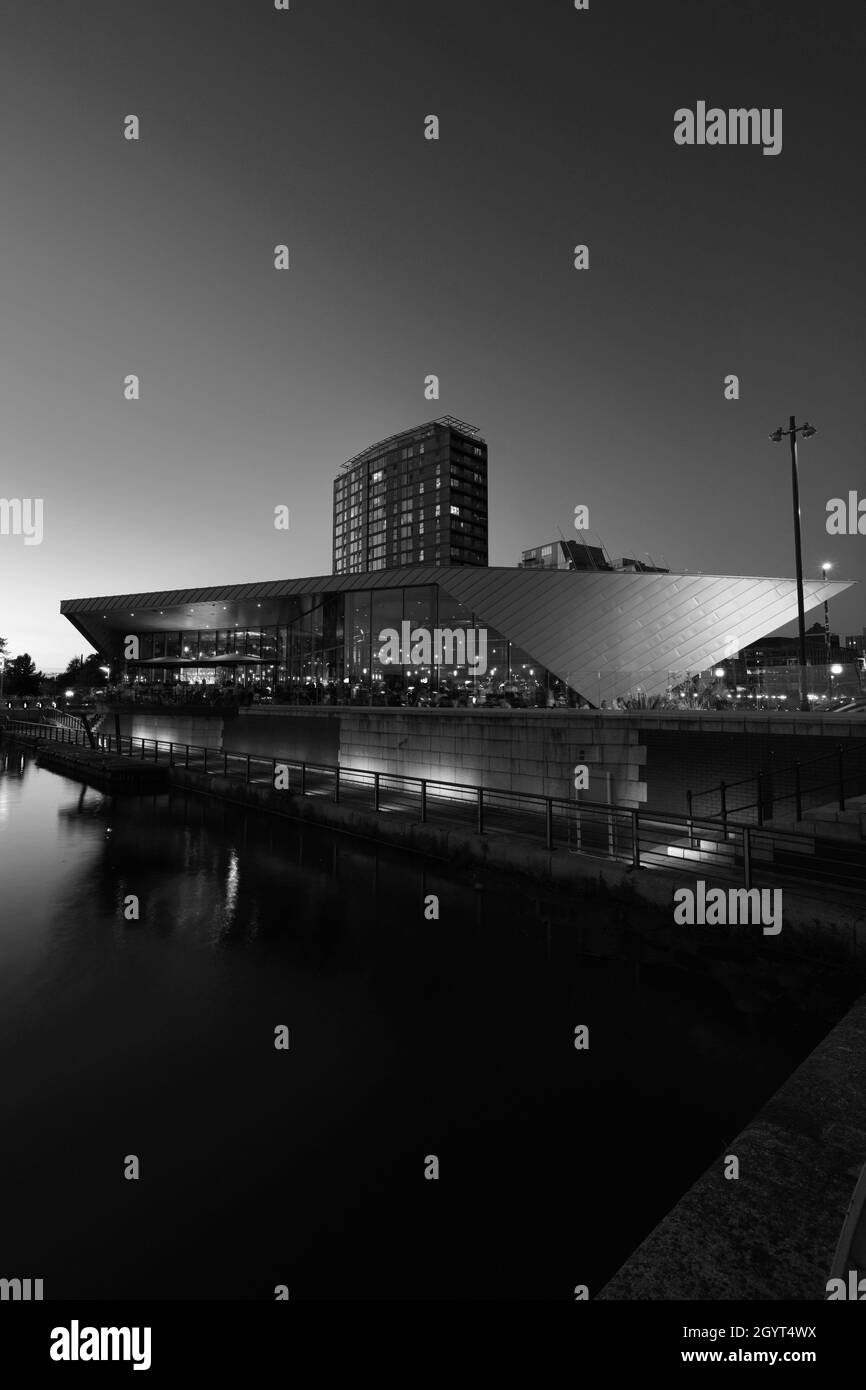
x: 724, y: 721
x: 772, y: 1232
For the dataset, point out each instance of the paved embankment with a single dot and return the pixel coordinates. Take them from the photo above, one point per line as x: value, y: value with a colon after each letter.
x: 109, y: 771
x: 770, y: 1233
x: 643, y: 758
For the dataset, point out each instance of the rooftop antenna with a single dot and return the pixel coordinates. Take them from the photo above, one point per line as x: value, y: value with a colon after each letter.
x: 565, y: 548
x: 588, y: 548
x: 604, y: 550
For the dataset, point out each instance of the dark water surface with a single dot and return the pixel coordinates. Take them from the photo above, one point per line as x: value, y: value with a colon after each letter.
x: 408, y: 1038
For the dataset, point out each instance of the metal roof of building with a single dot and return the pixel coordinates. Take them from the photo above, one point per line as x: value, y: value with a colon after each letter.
x: 608, y: 632
x: 630, y: 628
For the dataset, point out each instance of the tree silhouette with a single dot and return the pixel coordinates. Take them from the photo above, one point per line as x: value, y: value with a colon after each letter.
x: 22, y: 678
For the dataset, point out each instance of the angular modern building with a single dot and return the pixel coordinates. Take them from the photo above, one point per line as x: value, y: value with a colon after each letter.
x: 417, y: 634
x: 416, y: 498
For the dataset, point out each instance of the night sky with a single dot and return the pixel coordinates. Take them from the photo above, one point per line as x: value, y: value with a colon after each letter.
x: 603, y: 387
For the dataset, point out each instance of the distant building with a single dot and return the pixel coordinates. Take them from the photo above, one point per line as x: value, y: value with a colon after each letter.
x: 415, y: 498
x: 785, y: 651
x: 578, y: 555
x: 564, y: 555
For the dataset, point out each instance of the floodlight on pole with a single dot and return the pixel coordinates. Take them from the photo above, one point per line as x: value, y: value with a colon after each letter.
x: 777, y: 436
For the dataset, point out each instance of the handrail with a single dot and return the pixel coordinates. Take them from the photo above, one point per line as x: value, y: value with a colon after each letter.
x: 622, y: 834
x: 469, y: 790
x: 779, y: 771
x: 765, y: 801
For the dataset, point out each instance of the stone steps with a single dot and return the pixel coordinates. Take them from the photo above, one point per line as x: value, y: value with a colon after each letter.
x: 706, y: 846
x: 829, y: 823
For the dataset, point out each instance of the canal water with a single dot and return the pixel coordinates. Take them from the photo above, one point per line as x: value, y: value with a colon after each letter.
x: 408, y: 1038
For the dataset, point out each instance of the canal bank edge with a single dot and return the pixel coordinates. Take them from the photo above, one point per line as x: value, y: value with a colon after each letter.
x: 772, y: 1232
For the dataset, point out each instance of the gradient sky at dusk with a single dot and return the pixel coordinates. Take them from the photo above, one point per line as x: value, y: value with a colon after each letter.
x: 410, y: 257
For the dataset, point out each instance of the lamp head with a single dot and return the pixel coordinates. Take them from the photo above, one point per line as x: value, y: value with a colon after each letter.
x: 777, y: 435
x: 808, y: 431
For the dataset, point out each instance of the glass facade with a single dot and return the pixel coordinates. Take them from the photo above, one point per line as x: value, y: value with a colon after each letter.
x: 414, y: 645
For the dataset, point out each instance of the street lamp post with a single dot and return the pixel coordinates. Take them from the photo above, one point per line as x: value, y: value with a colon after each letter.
x: 777, y: 436
x: 824, y: 569
x: 835, y: 670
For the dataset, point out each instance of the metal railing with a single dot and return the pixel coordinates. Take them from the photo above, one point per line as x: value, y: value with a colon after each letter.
x: 63, y: 719
x: 639, y: 840
x: 834, y: 777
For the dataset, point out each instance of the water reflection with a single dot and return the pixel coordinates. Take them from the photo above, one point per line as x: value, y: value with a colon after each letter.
x: 408, y: 1037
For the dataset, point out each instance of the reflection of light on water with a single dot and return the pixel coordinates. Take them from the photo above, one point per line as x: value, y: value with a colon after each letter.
x: 232, y: 881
